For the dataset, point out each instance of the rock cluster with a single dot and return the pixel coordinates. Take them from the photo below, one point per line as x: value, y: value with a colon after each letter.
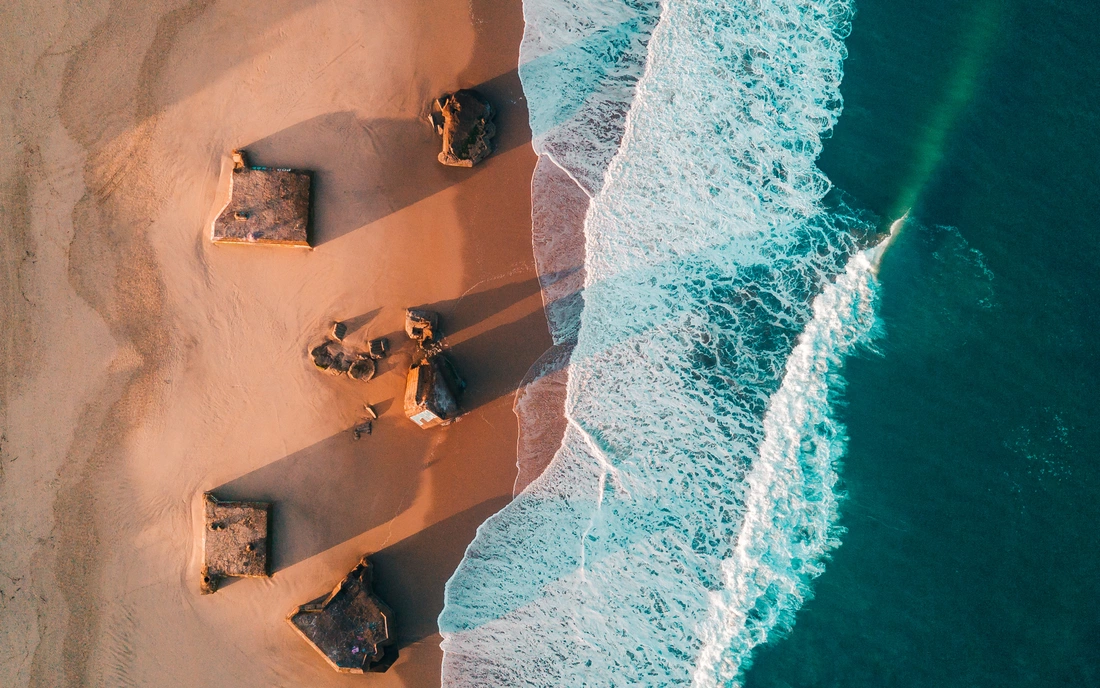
x: 465, y: 121
x: 333, y: 357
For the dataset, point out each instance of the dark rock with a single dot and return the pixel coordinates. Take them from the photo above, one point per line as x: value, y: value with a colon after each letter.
x: 235, y: 541
x: 323, y: 355
x: 465, y: 121
x: 363, y: 428
x: 421, y: 325
x: 363, y: 369
x: 339, y: 330
x: 266, y: 206
x: 432, y: 390
x: 378, y: 348
x: 342, y: 362
x: 350, y: 627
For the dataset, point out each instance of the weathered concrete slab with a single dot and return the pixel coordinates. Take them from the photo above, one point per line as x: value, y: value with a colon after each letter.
x: 350, y: 626
x: 266, y: 206
x: 235, y: 541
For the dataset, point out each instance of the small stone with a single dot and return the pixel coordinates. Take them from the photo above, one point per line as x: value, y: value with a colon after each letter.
x: 339, y: 330
x: 378, y: 348
x: 363, y: 428
x: 370, y: 411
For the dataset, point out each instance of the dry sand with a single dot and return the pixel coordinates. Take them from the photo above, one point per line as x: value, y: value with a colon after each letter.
x: 142, y: 365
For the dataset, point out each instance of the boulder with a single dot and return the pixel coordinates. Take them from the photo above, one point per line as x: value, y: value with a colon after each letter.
x: 421, y: 325
x: 465, y: 120
x: 322, y: 355
x: 432, y: 390
x: 362, y: 369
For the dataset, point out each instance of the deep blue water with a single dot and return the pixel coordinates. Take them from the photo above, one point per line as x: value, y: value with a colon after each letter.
x: 972, y: 554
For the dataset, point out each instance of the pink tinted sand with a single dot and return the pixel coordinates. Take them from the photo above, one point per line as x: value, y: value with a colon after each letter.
x: 142, y: 365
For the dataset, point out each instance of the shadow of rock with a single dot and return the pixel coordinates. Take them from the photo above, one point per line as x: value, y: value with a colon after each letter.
x: 470, y: 309
x: 410, y: 575
x: 356, y: 323
x: 334, y: 490
x: 366, y: 169
x: 495, y: 362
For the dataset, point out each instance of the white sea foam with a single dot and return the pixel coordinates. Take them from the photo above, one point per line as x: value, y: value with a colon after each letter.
x: 579, y: 63
x: 692, y: 497
x: 791, y: 507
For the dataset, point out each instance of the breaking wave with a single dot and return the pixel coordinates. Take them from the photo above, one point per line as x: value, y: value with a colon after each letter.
x: 692, y: 497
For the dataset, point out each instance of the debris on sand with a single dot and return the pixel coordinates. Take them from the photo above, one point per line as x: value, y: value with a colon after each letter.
x: 364, y: 428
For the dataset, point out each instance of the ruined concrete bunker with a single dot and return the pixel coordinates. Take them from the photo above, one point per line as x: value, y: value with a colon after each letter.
x: 350, y: 626
x: 267, y: 205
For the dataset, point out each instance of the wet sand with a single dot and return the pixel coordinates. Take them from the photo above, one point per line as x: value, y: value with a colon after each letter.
x: 140, y: 365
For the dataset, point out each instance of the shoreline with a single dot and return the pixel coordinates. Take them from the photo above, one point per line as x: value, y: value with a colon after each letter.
x: 216, y: 358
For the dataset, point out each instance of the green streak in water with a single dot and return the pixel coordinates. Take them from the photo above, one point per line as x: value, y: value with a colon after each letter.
x: 958, y: 93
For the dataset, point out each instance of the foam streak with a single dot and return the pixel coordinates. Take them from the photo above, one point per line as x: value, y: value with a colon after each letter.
x: 691, y: 497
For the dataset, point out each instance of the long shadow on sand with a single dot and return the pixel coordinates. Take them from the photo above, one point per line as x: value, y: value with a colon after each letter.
x: 333, y: 490
x: 366, y: 169
x: 495, y: 361
x: 410, y: 574
x: 339, y: 488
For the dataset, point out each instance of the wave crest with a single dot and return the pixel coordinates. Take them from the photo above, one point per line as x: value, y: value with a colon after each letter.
x: 692, y: 495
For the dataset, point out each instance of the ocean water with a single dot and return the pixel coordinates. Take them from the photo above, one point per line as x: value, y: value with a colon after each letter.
x: 744, y: 356
x: 971, y: 551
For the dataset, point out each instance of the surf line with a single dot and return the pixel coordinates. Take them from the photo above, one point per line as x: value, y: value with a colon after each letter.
x: 791, y: 510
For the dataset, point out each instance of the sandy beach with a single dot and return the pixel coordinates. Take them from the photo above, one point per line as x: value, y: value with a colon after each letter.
x: 141, y: 365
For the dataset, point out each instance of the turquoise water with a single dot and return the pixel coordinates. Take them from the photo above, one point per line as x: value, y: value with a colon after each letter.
x: 782, y: 453
x: 972, y: 553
